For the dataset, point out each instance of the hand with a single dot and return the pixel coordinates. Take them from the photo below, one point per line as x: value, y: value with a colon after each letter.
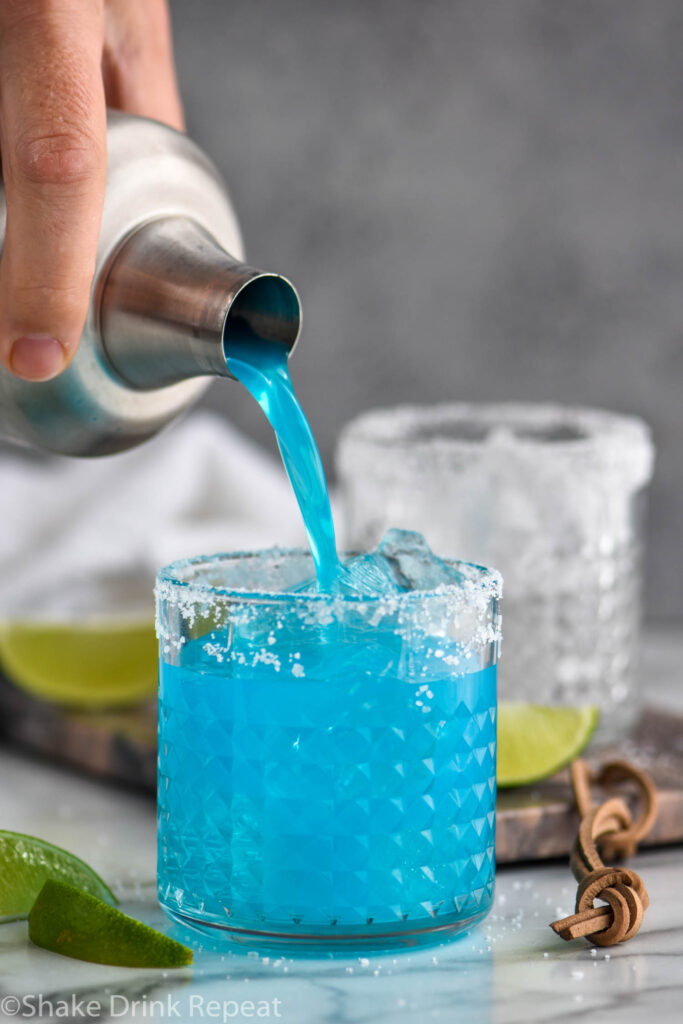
x: 61, y: 63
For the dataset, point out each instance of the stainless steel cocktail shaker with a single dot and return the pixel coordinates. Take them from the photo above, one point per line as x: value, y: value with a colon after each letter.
x: 169, y: 293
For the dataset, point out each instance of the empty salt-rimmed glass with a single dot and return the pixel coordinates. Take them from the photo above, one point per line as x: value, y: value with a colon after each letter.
x: 554, y: 498
x: 326, y: 764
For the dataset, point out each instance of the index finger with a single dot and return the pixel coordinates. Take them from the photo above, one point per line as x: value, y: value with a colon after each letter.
x: 53, y: 144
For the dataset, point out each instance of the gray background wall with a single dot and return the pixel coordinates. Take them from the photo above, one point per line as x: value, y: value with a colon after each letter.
x: 477, y: 199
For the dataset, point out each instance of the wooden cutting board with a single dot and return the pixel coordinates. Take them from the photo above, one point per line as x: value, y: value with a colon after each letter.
x: 533, y: 823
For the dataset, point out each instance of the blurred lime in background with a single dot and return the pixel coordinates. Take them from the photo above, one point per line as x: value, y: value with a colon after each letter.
x: 93, y: 662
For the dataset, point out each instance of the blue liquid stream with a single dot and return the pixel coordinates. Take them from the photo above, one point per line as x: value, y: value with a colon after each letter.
x: 262, y: 368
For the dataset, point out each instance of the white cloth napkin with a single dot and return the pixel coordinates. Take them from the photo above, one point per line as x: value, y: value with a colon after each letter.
x: 87, y: 536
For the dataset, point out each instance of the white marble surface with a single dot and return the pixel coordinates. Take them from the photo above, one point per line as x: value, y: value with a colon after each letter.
x: 512, y: 969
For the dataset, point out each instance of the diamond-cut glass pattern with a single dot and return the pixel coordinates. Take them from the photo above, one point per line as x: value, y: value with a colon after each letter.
x: 290, y: 802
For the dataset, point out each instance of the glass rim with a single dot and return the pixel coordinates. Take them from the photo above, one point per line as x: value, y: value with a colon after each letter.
x: 488, y: 583
x: 611, y: 438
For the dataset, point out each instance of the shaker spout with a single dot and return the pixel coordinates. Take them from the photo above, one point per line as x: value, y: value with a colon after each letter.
x: 172, y: 300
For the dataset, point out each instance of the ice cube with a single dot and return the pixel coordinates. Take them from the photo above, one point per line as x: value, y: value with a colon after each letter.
x: 366, y: 575
x: 413, y: 563
x: 402, y: 562
x: 369, y: 575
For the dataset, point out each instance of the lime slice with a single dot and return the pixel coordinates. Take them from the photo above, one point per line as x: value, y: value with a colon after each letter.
x: 94, y: 663
x: 535, y: 741
x: 27, y: 863
x: 74, y: 923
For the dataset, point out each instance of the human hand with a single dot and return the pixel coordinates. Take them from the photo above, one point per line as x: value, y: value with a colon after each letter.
x: 61, y: 63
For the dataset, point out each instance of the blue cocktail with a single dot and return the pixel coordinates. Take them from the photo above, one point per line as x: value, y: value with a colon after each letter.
x: 327, y: 760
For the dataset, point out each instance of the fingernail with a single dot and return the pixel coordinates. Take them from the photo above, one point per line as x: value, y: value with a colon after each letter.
x: 36, y: 357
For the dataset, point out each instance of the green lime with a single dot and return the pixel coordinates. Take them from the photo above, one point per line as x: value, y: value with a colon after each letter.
x: 535, y: 741
x: 27, y: 863
x: 71, y: 922
x: 94, y: 663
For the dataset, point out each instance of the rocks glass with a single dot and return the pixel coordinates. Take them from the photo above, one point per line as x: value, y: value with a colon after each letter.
x: 327, y: 765
x: 553, y: 497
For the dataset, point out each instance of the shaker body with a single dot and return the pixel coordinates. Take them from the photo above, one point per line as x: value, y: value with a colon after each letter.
x: 153, y: 172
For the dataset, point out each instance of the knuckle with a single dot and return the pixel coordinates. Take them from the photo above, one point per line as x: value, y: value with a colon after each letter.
x: 52, y: 288
x: 56, y: 157
x: 55, y: 302
x: 52, y: 292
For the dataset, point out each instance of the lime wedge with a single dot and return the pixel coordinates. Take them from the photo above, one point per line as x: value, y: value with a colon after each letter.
x: 27, y: 863
x: 94, y: 663
x: 535, y: 741
x: 71, y: 922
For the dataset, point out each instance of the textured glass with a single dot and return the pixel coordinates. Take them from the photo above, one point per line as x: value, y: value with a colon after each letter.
x: 553, y: 497
x: 326, y: 765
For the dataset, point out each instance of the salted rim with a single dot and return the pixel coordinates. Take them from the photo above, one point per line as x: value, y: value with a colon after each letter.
x: 610, y: 438
x: 487, y: 582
